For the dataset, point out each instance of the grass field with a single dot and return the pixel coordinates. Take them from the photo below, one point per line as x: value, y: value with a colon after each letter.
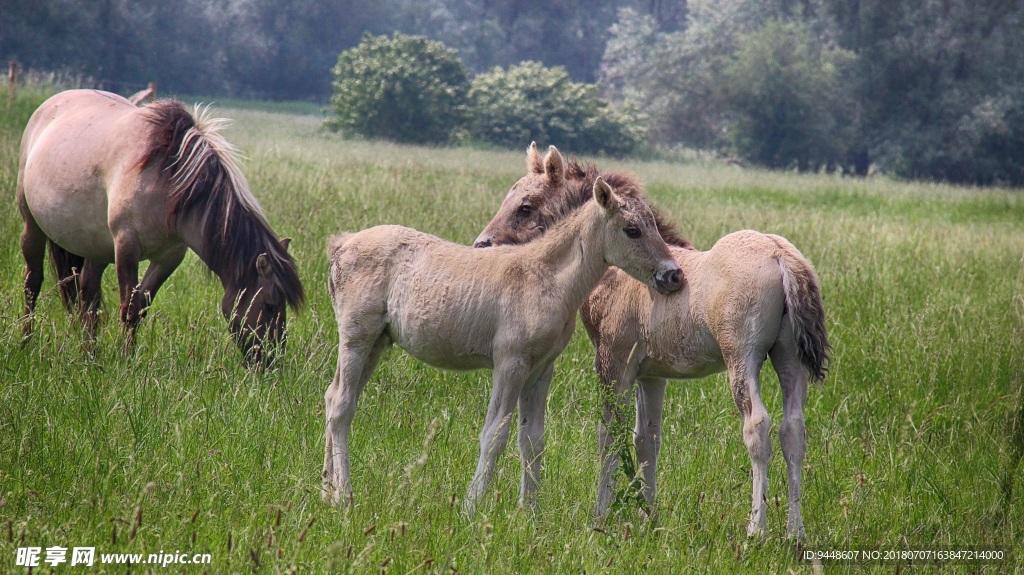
x: 179, y: 448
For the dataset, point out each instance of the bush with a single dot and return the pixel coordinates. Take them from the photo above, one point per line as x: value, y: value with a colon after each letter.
x: 783, y: 92
x: 529, y: 102
x: 404, y: 88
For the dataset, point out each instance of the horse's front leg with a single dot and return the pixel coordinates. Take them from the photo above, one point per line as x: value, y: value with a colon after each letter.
x: 647, y: 434
x: 509, y: 376
x: 127, y: 253
x: 616, y: 396
x: 532, y: 404
x: 156, y: 275
x: 90, y: 294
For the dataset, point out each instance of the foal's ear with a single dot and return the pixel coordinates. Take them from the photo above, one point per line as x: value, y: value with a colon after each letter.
x: 605, y: 195
x: 263, y: 265
x: 285, y: 242
x: 534, y: 161
x: 554, y: 167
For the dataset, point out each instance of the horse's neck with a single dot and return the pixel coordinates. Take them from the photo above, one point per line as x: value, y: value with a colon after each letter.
x: 574, y: 250
x: 190, y: 231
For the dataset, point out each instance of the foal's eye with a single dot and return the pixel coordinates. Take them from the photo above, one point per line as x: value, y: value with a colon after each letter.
x: 632, y: 232
x: 525, y: 210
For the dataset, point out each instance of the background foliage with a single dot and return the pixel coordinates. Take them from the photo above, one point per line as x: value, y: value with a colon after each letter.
x: 929, y: 89
x: 403, y: 88
x: 529, y: 102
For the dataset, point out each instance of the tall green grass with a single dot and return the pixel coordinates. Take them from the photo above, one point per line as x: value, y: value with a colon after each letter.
x: 909, y: 437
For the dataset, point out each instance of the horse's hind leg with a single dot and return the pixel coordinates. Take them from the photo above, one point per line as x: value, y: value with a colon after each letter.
x: 33, y: 248
x: 356, y: 363
x: 793, y: 379
x: 744, y: 374
x: 650, y: 399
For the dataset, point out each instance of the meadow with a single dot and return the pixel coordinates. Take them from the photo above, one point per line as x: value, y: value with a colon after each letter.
x: 180, y: 448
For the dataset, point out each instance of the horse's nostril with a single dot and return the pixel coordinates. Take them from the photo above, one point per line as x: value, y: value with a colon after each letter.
x: 675, y: 277
x: 482, y: 243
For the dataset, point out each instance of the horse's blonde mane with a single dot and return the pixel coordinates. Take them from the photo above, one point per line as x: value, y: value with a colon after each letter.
x: 203, y: 139
x: 206, y: 180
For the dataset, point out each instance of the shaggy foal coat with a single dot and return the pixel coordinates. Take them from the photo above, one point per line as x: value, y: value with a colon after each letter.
x: 751, y: 296
x: 511, y: 309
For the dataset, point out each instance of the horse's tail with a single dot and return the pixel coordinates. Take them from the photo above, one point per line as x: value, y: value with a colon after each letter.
x: 68, y: 267
x: 805, y: 309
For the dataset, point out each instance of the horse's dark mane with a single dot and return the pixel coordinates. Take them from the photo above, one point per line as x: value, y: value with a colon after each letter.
x: 579, y: 183
x: 206, y: 180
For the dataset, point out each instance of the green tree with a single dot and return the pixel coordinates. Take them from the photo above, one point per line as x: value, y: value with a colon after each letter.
x: 675, y: 77
x: 782, y: 89
x: 939, y: 86
x: 402, y: 88
x: 530, y: 102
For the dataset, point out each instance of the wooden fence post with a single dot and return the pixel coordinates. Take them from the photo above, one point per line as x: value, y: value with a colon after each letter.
x: 142, y: 95
x: 12, y: 81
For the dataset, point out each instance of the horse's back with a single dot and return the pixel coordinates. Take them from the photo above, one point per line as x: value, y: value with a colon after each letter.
x: 77, y: 147
x: 442, y: 302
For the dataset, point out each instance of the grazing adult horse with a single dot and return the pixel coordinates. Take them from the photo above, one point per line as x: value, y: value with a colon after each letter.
x: 102, y: 181
x: 510, y: 309
x: 750, y: 296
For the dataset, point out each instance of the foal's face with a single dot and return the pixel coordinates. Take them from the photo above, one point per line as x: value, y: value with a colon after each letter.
x: 257, y: 316
x: 632, y: 241
x: 526, y: 212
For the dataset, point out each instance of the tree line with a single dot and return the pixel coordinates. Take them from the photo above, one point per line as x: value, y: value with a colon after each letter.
x: 917, y: 88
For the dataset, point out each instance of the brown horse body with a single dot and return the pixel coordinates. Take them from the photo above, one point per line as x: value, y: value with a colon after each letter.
x: 749, y: 297
x: 102, y: 181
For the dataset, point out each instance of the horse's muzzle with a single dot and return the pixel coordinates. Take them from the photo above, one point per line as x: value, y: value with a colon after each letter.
x: 668, y: 280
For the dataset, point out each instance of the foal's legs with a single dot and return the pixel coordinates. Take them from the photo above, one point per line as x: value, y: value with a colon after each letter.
x: 744, y: 373
x: 616, y: 397
x: 532, y: 403
x: 650, y: 400
x: 510, y: 374
x: 793, y: 379
x: 356, y: 362
x: 33, y: 248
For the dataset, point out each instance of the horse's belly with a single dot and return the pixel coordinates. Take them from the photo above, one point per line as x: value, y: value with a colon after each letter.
x: 439, y: 345
x: 74, y: 218
x: 691, y: 356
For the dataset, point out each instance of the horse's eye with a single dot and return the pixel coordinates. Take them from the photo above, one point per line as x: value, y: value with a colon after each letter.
x: 632, y: 232
x: 525, y: 210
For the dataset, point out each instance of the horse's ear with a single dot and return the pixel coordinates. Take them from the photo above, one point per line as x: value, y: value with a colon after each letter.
x: 263, y: 265
x: 554, y: 167
x: 605, y: 195
x: 285, y: 242
x: 534, y: 161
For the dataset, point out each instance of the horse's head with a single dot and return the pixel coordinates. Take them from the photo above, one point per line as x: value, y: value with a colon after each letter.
x: 257, y: 312
x: 532, y: 205
x: 632, y: 242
